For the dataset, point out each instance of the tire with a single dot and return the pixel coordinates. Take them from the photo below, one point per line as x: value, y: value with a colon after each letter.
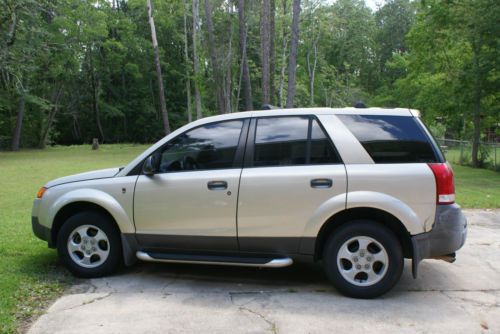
x: 101, y: 254
x: 368, y: 271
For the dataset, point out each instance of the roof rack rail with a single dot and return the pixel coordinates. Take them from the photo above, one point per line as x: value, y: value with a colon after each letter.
x: 268, y: 107
x: 360, y: 104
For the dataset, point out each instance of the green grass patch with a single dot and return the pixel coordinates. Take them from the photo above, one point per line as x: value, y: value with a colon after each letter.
x: 30, y: 274
x: 477, y: 188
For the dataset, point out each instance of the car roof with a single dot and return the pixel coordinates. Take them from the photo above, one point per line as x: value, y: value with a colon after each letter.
x: 316, y: 111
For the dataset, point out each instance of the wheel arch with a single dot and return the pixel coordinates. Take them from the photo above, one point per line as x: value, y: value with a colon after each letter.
x: 88, y: 200
x: 72, y: 209
x: 367, y: 213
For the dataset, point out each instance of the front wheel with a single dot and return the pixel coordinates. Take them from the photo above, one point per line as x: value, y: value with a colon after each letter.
x: 89, y: 245
x: 363, y: 259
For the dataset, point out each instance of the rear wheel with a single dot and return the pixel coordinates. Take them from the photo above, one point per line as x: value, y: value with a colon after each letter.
x: 363, y: 259
x: 89, y: 245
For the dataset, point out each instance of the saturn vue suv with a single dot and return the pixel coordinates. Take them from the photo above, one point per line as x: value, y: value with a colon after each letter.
x: 356, y: 190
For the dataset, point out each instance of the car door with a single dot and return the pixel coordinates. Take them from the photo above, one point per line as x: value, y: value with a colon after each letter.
x: 190, y: 201
x: 291, y: 168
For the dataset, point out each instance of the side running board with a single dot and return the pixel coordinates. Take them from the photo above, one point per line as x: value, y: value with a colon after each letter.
x: 215, y: 259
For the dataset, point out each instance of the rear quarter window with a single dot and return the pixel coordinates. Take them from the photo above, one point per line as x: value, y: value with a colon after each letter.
x: 391, y: 139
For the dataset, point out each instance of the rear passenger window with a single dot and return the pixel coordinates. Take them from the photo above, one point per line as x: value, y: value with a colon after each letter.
x: 391, y: 139
x: 291, y: 141
x: 281, y: 141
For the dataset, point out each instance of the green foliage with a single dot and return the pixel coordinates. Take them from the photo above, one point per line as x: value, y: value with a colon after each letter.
x: 80, y: 62
x: 451, y: 69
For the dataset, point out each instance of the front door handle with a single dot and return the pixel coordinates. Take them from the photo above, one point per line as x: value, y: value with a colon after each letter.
x: 217, y: 185
x: 321, y: 183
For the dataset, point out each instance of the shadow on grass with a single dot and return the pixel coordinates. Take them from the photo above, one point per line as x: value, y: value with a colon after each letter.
x: 41, y: 279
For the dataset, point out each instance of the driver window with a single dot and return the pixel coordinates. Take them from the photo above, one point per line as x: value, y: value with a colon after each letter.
x: 212, y: 146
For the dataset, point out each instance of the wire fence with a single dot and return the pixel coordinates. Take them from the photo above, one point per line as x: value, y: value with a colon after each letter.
x: 460, y: 152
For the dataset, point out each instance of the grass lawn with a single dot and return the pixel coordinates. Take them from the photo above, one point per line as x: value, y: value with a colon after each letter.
x: 477, y: 188
x: 30, y: 274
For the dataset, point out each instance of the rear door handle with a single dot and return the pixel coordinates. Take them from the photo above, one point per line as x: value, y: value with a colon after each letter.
x: 321, y: 183
x: 217, y: 185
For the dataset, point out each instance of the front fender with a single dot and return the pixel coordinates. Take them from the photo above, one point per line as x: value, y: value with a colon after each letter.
x: 98, y: 197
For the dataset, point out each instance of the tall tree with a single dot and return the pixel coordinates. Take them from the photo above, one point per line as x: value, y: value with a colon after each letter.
x: 393, y: 22
x: 16, y: 139
x: 284, y: 47
x: 95, y: 84
x: 311, y: 68
x: 311, y: 35
x: 272, y: 52
x: 292, y: 61
x: 450, y: 71
x: 245, y: 72
x: 218, y: 75
x: 196, y: 60
x: 265, y: 45
x: 159, y: 77
x: 56, y: 96
x: 187, y: 62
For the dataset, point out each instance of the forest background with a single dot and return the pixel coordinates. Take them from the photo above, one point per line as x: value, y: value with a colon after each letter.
x: 133, y: 70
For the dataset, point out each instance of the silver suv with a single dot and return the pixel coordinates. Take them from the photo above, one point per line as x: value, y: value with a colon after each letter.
x: 358, y: 190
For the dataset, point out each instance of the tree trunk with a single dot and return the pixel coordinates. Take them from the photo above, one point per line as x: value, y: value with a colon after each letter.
x: 265, y: 47
x: 227, y: 87
x: 283, y: 58
x: 16, y: 139
x: 311, y: 69
x: 161, y: 90
x: 95, y: 84
x: 12, y: 29
x: 247, y: 85
x: 272, y: 53
x: 97, y: 89
x: 196, y: 61
x: 477, y: 133
x: 217, y: 73
x: 186, y: 62
x: 52, y: 115
x: 477, y: 106
x: 292, y: 61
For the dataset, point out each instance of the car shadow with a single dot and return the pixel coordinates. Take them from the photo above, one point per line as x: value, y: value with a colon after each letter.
x: 296, y: 275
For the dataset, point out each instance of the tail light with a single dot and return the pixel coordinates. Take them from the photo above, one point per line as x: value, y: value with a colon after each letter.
x: 445, y: 185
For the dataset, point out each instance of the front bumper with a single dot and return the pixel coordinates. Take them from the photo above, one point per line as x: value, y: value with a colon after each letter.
x: 41, y: 231
x: 447, y: 235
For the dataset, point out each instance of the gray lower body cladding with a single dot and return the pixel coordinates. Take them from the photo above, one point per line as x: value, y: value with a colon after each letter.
x: 447, y: 235
x: 41, y: 232
x: 212, y: 246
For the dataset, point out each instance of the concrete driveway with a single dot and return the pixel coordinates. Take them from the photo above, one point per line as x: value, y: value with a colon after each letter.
x: 463, y: 297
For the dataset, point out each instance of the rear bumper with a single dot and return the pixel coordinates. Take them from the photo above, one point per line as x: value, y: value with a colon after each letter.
x: 447, y: 235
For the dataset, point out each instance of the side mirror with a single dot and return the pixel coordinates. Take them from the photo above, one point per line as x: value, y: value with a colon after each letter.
x: 148, y: 168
